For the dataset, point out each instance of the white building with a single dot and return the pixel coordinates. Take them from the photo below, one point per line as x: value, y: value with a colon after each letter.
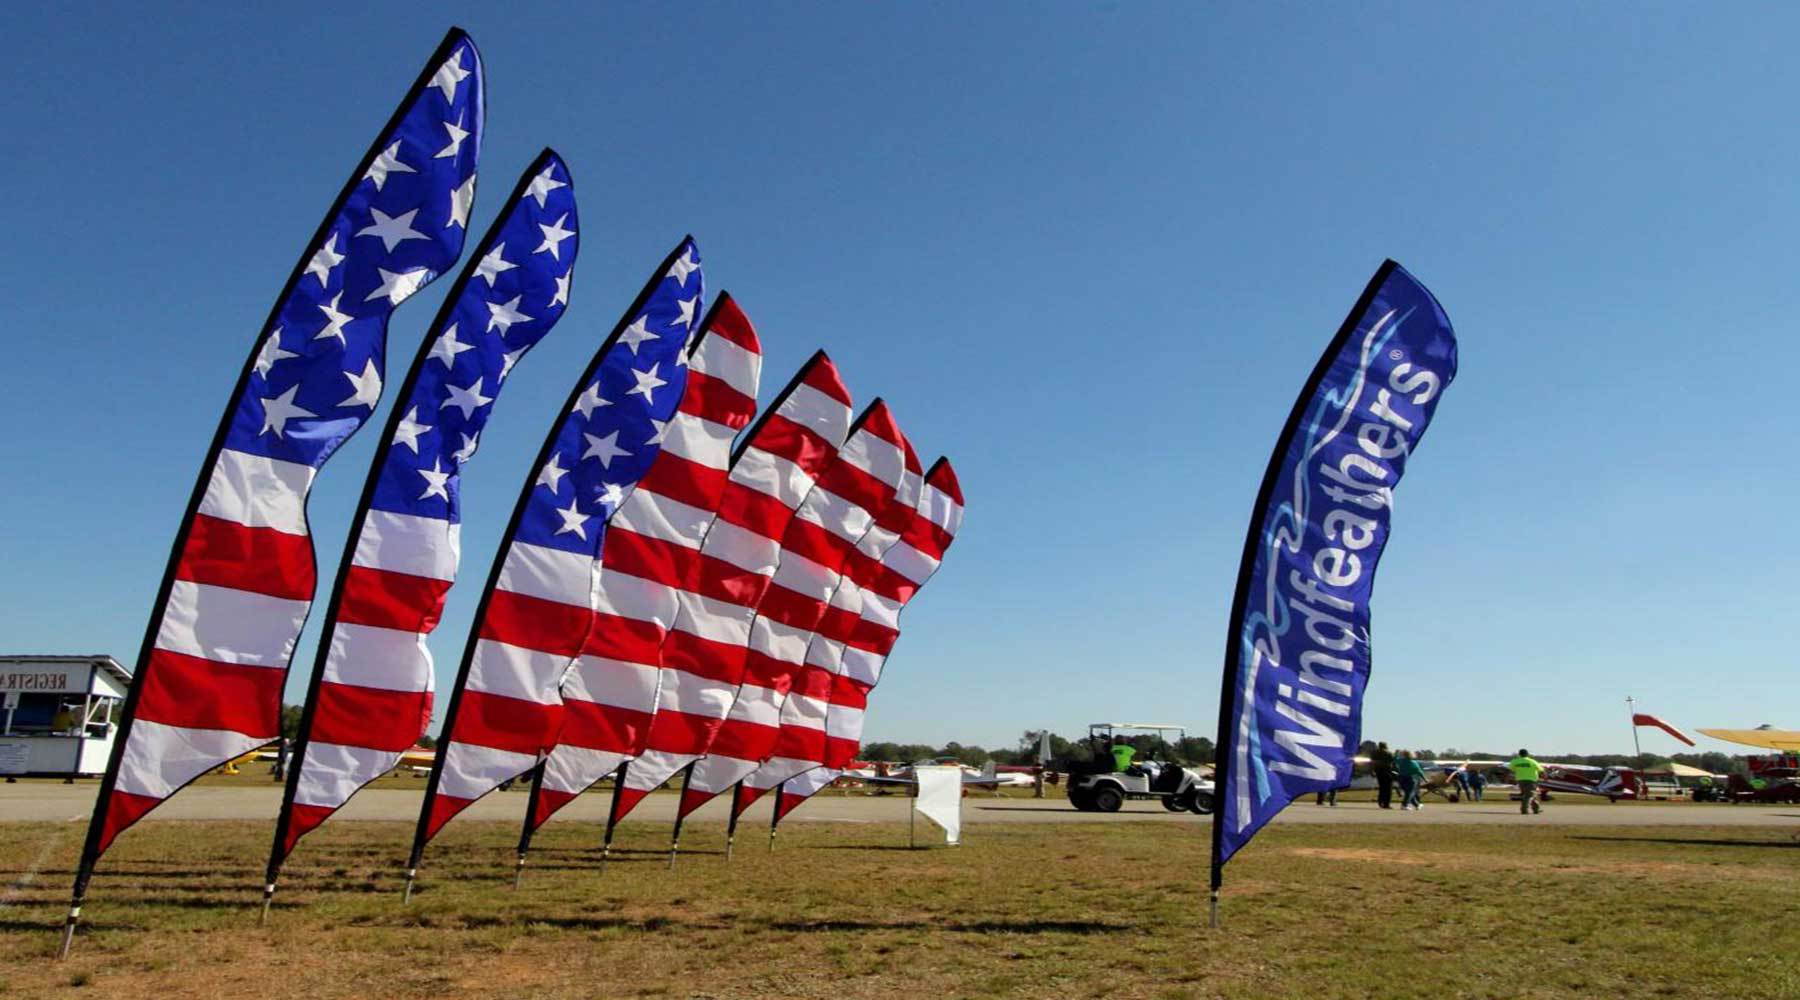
x: 59, y: 714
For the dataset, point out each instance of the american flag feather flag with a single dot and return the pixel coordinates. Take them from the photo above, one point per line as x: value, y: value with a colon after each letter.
x: 905, y: 568
x: 652, y: 554
x: 241, y: 577
x: 800, y: 738
x: 773, y: 465
x: 874, y: 466
x: 371, y: 692
x: 539, y: 608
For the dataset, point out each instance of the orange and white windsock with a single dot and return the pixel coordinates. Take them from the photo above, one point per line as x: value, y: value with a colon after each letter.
x: 706, y: 657
x: 821, y: 724
x: 652, y: 554
x: 904, y: 570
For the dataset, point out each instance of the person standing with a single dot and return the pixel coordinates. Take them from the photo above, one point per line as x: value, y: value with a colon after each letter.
x: 1460, y: 778
x: 1328, y: 797
x: 1412, y: 780
x: 1526, y: 772
x: 1381, y: 764
x: 1477, y: 784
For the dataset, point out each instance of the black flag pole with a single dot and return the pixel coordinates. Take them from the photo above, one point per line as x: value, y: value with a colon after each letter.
x: 737, y: 791
x: 531, y: 804
x: 687, y: 778
x: 612, y: 814
x: 90, y: 851
x: 1226, y: 744
x: 775, y: 815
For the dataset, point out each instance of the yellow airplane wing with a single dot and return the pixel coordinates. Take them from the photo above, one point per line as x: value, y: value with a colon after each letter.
x: 1769, y: 739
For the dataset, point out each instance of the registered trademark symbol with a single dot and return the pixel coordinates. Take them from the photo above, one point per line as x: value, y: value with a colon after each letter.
x: 1396, y: 354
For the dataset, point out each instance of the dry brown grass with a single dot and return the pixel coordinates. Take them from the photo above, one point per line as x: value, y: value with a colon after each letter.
x: 845, y: 911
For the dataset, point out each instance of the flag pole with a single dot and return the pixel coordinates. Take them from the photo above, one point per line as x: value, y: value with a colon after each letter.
x: 612, y: 815
x: 1631, y: 713
x: 737, y: 790
x: 687, y: 778
x: 525, y: 832
x: 90, y: 851
x: 775, y: 815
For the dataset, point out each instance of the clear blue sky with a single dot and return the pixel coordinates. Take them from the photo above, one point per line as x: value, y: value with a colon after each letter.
x: 1089, y: 252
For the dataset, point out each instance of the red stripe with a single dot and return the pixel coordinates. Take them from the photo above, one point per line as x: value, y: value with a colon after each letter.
x: 765, y: 671
x: 801, y: 743
x: 392, y: 600
x: 534, y: 623
x: 837, y: 624
x: 744, y: 740
x: 502, y: 723
x: 795, y: 442
x: 888, y: 582
x: 678, y: 732
x: 443, y: 809
x: 729, y: 321
x: 548, y: 802
x: 747, y: 795
x: 649, y: 558
x: 856, y: 486
x: 624, y: 639
x: 812, y: 682
x: 786, y: 803
x: 757, y: 513
x: 603, y: 727
x: 822, y: 375
x: 944, y: 478
x: 840, y: 752
x: 302, y: 820
x: 719, y: 661
x: 873, y: 637
x: 879, y: 421
x: 847, y: 692
x: 790, y: 608
x: 925, y: 535
x: 683, y: 481
x: 692, y: 799
x: 122, y: 810
x: 627, y: 799
x: 814, y: 542
x: 354, y: 716
x: 192, y: 693
x: 261, y: 560
x: 728, y: 582
x: 716, y: 400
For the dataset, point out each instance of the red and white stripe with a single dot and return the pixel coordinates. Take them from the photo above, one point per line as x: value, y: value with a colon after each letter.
x: 704, y: 655
x: 652, y: 554
x: 376, y: 693
x: 799, y: 743
x: 212, y: 687
x: 904, y: 569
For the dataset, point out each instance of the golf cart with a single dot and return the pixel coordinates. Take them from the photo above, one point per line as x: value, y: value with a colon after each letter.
x: 1098, y: 787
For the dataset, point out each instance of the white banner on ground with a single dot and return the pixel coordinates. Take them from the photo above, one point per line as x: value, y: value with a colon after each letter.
x: 940, y: 799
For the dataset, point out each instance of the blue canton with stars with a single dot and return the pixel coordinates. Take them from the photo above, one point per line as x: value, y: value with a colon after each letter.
x: 513, y: 292
x: 317, y: 375
x: 614, y: 431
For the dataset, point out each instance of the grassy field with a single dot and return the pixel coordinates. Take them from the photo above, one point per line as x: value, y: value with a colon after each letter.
x: 846, y: 911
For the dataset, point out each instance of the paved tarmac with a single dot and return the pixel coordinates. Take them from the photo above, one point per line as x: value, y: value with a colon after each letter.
x: 53, y: 801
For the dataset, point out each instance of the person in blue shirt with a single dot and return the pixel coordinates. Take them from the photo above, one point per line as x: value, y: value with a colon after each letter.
x: 1412, y: 780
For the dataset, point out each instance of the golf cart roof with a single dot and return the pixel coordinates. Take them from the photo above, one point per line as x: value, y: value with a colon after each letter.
x: 1135, y: 725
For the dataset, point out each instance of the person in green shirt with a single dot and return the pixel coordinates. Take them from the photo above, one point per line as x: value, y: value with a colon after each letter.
x: 1526, y: 772
x: 1122, y: 753
x: 1412, y: 780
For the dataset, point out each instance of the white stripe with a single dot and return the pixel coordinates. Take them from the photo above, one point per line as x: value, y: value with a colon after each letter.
x: 258, y: 492
x: 909, y: 562
x: 573, y: 769
x: 940, y: 510
x: 875, y: 542
x: 230, y: 626
x: 757, y: 705
x: 472, y: 771
x: 331, y: 773
x: 777, y: 770
x: 653, y: 768
x: 810, y: 783
x: 804, y: 711
x: 844, y: 722
x: 881, y: 610
x: 638, y: 599
x: 835, y: 514
x: 614, y: 683
x: 783, y: 643
x: 826, y: 654
x: 716, y: 774
x: 719, y: 358
x: 656, y: 516
x: 818, y: 413
x: 374, y: 657
x: 513, y: 672
x: 552, y: 574
x: 742, y: 548
x: 772, y: 476
x: 805, y: 577
x: 692, y: 694
x: 158, y: 759
x: 848, y: 597
x: 879, y: 458
x: 406, y: 543
x: 712, y: 619
x: 700, y: 441
x: 862, y: 665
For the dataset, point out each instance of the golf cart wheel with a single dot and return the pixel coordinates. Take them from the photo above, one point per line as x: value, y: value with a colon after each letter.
x: 1202, y: 803
x: 1108, y: 800
x: 1081, y: 799
x: 1173, y: 804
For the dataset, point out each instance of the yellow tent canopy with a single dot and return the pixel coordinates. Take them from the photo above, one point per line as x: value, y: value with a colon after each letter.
x: 1679, y: 770
x: 1768, y: 739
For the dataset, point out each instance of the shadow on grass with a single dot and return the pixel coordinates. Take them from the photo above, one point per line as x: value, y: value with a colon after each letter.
x: 970, y: 927
x: 1790, y: 844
